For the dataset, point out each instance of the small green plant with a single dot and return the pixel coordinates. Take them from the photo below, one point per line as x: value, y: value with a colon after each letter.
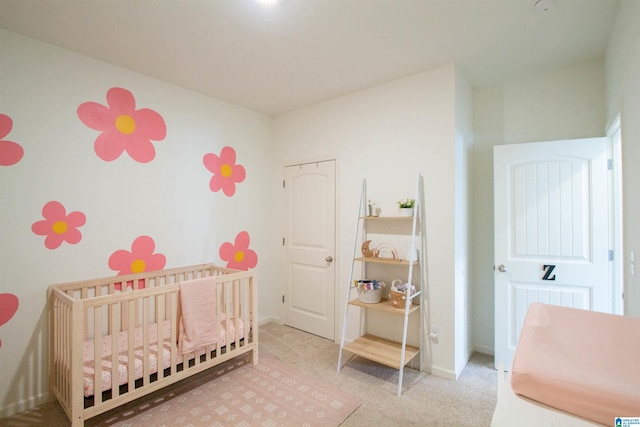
x: 406, y: 203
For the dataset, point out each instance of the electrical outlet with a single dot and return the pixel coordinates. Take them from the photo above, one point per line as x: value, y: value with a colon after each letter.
x: 435, y: 332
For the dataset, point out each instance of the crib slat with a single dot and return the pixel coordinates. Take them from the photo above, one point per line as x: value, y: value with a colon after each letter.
x: 159, y: 307
x: 174, y: 331
x: 66, y: 343
x: 97, y: 355
x: 253, y: 313
x: 84, y: 295
x: 220, y: 308
x: 244, y: 312
x: 227, y: 307
x: 130, y: 348
x: 236, y: 311
x: 146, y: 356
x: 124, y: 315
x: 115, y: 349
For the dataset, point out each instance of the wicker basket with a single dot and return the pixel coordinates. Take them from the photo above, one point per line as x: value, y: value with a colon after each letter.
x: 399, y: 299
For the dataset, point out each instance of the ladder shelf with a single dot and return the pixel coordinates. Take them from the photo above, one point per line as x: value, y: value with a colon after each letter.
x: 393, y: 353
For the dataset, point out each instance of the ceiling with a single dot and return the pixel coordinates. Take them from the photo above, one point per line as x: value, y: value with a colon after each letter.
x: 295, y: 53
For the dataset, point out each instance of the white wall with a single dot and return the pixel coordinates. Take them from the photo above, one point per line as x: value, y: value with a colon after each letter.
x: 168, y: 198
x: 387, y: 134
x: 623, y: 97
x: 566, y: 103
x: 463, y: 216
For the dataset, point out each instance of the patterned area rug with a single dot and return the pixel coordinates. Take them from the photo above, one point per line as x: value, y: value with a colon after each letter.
x: 239, y: 394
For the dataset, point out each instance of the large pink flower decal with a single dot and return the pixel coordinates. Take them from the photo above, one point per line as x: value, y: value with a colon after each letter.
x: 10, y: 152
x: 141, y: 258
x: 8, y: 307
x: 58, y: 226
x: 123, y: 127
x: 225, y: 171
x: 238, y: 255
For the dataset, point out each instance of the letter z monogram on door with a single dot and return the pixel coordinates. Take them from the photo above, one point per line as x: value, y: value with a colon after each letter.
x: 548, y: 269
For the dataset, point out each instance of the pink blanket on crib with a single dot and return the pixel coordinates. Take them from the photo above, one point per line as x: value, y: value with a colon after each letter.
x: 198, y: 326
x: 582, y: 362
x: 123, y: 352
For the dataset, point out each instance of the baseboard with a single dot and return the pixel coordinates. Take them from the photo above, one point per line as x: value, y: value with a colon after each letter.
x: 25, y: 405
x: 484, y: 349
x: 269, y: 319
x: 439, y: 372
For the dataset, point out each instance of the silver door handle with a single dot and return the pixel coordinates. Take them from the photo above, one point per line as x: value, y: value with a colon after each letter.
x: 502, y: 268
x: 329, y: 258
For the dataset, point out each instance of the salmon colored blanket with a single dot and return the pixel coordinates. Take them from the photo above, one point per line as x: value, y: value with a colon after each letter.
x: 583, y: 362
x: 198, y: 319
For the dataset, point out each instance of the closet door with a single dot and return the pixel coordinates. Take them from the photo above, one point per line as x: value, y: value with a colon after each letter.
x: 309, y: 248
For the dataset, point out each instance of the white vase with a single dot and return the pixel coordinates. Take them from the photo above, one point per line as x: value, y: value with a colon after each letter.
x: 406, y: 211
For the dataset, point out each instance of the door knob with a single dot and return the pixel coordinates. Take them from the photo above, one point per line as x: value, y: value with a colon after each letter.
x: 502, y: 268
x: 329, y: 258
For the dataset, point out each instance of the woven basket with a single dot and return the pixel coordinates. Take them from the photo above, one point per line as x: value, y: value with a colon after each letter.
x: 370, y: 296
x: 399, y: 299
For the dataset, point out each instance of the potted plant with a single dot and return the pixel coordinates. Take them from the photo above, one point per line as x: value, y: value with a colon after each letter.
x: 406, y: 206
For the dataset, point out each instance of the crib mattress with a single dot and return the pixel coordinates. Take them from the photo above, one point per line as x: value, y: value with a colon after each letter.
x: 138, y: 368
x: 582, y: 362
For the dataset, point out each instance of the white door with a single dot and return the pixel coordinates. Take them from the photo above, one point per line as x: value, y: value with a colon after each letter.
x: 551, y: 232
x: 309, y: 244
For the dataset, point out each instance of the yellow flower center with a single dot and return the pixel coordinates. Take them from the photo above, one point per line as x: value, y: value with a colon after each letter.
x: 226, y: 171
x: 59, y: 227
x: 138, y: 266
x: 239, y: 256
x: 125, y: 124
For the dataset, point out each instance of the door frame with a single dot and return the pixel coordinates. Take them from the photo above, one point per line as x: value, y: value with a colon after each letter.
x: 614, y: 141
x: 336, y: 242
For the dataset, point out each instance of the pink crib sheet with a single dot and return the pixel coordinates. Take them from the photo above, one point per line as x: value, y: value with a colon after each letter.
x: 582, y: 362
x: 123, y: 351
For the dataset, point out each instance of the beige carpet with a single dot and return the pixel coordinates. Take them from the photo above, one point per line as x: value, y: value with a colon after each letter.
x: 426, y: 400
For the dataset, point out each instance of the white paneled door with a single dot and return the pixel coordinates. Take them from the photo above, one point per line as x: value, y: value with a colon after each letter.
x: 309, y: 244
x: 551, y: 232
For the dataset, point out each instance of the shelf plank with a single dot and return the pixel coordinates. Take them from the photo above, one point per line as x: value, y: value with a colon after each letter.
x: 384, y: 305
x: 387, y: 218
x: 381, y: 350
x: 386, y: 261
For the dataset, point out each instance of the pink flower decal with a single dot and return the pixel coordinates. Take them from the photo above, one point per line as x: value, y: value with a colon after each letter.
x: 8, y: 307
x: 123, y: 127
x: 10, y: 152
x: 225, y: 171
x: 58, y: 226
x: 238, y: 255
x: 141, y: 258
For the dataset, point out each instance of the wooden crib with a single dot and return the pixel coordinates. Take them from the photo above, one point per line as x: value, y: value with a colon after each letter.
x: 138, y: 314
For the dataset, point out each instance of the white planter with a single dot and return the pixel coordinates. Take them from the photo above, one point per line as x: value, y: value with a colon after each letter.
x: 406, y: 211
